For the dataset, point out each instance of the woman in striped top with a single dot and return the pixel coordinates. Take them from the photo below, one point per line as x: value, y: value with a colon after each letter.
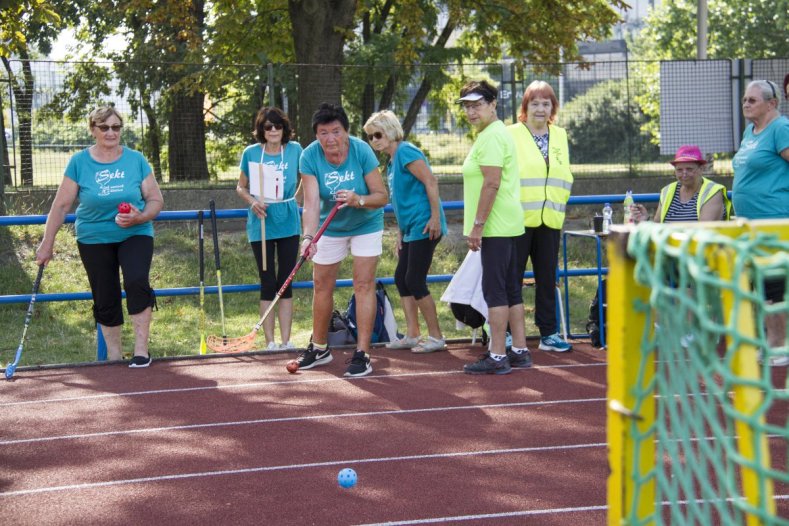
x: 691, y: 197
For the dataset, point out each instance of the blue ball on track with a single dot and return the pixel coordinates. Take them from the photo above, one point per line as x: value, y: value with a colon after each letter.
x: 346, y: 478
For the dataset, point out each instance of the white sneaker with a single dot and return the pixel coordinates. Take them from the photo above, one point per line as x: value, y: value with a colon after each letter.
x: 272, y: 346
x: 289, y: 346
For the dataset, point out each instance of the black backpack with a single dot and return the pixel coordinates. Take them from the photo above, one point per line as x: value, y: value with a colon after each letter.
x: 470, y: 316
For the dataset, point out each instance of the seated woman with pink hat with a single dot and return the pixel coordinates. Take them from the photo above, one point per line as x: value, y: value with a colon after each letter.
x: 691, y: 197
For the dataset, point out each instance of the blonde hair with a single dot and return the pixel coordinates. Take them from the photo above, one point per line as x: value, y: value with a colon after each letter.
x: 101, y: 114
x: 387, y: 122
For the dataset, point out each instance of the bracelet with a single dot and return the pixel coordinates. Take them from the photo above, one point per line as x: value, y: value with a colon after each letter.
x: 307, y: 237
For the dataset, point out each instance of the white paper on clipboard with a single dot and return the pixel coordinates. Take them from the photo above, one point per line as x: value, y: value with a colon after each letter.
x: 273, y: 181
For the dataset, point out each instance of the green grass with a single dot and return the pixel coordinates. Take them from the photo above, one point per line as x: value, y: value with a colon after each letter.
x: 64, y: 332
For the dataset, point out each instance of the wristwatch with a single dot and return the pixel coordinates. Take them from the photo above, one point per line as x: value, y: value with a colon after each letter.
x: 361, y: 202
x: 477, y: 222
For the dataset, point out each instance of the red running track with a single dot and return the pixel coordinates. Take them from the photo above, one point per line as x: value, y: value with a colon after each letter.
x: 237, y: 440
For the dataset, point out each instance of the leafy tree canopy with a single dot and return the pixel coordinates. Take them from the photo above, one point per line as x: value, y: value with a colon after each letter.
x: 736, y: 29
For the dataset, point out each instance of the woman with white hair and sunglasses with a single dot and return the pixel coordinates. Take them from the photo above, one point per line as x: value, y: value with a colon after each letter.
x: 761, y: 183
x: 413, y: 190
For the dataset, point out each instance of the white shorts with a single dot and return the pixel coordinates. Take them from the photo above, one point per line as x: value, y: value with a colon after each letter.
x: 332, y: 250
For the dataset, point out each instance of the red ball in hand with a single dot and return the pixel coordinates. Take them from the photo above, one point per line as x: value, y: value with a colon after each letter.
x: 292, y: 366
x: 124, y: 208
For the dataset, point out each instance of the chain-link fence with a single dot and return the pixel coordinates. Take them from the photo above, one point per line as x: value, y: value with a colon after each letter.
x: 193, y: 121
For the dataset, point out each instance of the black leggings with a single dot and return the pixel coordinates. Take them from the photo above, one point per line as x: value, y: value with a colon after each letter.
x: 412, y: 267
x: 286, y: 250
x: 541, y: 245
x: 103, y: 263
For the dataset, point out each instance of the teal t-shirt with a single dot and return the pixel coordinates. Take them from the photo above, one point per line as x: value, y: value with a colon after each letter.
x: 408, y: 194
x: 349, y: 175
x: 282, y: 217
x: 493, y: 147
x: 761, y: 175
x: 102, y: 187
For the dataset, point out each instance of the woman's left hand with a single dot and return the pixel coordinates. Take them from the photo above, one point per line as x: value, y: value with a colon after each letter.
x: 348, y: 198
x: 131, y: 218
x: 433, y: 228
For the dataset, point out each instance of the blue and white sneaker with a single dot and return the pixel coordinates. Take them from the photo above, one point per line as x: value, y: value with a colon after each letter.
x: 555, y: 343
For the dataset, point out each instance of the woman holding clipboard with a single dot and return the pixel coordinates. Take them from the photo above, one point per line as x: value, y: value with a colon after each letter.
x: 271, y: 167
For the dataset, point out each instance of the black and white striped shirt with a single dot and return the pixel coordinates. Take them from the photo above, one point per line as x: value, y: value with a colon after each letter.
x: 679, y: 211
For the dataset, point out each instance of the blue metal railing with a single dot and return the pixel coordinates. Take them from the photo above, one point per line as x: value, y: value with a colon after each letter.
x: 241, y: 213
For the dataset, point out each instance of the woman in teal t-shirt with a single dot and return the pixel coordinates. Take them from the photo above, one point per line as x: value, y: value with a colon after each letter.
x: 338, y: 168
x: 275, y: 160
x: 110, y: 237
x: 413, y: 190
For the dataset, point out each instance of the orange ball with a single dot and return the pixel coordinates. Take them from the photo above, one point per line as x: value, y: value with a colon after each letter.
x: 292, y: 366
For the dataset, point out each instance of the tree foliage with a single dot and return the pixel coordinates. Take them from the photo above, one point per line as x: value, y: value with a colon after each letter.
x: 603, y: 118
x: 736, y: 29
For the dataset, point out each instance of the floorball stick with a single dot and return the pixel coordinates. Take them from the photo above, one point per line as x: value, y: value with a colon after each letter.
x: 215, y: 233
x: 247, y: 342
x: 201, y: 255
x: 262, y: 224
x: 11, y: 368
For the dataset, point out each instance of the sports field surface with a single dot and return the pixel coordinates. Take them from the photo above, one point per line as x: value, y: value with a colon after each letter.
x: 238, y: 440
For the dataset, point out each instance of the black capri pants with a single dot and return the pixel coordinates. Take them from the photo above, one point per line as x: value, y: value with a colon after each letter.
x: 103, y: 263
x: 285, y: 251
x: 412, y: 267
x: 502, y: 278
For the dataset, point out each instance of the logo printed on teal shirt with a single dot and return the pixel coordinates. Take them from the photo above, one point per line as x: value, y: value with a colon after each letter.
x: 105, y: 177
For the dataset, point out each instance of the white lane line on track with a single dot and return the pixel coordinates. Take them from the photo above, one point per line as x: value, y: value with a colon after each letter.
x: 191, y: 427
x: 524, y: 513
x: 347, y: 462
x: 263, y: 384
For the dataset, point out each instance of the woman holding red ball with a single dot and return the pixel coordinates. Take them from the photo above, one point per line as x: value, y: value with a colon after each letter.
x: 119, y: 198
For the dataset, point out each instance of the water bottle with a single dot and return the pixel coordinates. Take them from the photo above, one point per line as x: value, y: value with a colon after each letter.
x: 608, y: 216
x: 627, y: 203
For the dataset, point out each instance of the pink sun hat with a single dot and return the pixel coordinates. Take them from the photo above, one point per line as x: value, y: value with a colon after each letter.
x: 690, y: 153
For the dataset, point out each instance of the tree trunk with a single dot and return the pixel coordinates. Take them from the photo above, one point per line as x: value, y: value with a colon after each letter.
x: 5, y: 163
x: 152, y: 145
x: 186, y: 140
x: 23, y: 95
x: 319, y: 31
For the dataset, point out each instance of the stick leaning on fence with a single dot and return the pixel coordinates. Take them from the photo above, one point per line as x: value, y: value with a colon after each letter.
x: 247, y: 342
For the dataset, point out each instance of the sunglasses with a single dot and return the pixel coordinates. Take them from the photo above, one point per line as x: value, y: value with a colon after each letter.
x: 270, y: 126
x: 375, y: 135
x: 105, y: 127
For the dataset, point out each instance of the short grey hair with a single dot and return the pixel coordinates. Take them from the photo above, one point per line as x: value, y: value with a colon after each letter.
x: 101, y: 114
x: 387, y: 123
x: 768, y: 88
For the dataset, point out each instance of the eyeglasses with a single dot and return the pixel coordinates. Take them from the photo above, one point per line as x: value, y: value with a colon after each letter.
x: 105, y: 127
x: 474, y: 107
x: 374, y: 135
x: 271, y: 126
x: 686, y: 170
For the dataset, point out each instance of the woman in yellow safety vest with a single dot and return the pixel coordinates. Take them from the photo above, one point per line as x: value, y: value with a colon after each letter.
x: 546, y: 181
x: 698, y: 198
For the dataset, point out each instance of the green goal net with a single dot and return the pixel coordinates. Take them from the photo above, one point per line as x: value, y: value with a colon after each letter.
x: 698, y: 395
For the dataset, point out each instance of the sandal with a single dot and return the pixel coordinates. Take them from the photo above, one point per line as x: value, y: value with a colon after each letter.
x: 428, y: 345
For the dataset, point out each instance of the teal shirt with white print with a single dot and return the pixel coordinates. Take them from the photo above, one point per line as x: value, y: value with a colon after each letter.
x: 102, y: 187
x: 360, y: 161
x: 282, y: 217
x: 409, y: 195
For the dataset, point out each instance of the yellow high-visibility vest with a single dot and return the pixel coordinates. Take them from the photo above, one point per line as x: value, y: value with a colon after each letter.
x: 545, y: 188
x: 708, y: 189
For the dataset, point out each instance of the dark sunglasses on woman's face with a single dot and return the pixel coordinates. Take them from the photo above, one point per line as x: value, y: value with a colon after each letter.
x: 105, y: 127
x: 376, y: 135
x: 270, y: 126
